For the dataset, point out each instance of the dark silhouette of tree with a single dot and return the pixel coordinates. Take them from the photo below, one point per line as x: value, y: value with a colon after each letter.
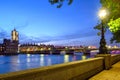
x: 60, y: 2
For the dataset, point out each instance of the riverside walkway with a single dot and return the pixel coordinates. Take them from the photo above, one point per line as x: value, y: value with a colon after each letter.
x: 111, y: 74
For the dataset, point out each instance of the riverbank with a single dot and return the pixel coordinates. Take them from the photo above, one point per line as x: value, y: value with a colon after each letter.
x: 19, y: 62
x: 77, y: 70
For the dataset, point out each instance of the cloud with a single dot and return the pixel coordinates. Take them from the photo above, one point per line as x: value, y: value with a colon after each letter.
x: 77, y: 34
x: 22, y: 25
x: 3, y: 34
x: 91, y: 40
x: 79, y: 38
x: 66, y: 39
x: 31, y: 39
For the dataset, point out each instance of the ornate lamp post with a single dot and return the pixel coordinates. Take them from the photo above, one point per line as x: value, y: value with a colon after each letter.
x: 102, y: 48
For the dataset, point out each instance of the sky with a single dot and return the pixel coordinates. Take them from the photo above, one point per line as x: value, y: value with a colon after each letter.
x: 37, y: 21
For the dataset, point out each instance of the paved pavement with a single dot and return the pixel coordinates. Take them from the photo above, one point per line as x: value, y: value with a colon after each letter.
x: 112, y: 74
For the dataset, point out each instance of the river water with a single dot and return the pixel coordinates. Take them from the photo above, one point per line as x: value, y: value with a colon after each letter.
x: 28, y: 61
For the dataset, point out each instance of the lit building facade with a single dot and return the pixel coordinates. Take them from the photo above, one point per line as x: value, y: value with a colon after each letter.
x: 1, y: 48
x: 10, y: 46
x: 35, y: 48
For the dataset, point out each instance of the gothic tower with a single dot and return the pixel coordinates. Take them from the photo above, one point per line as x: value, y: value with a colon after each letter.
x: 14, y: 35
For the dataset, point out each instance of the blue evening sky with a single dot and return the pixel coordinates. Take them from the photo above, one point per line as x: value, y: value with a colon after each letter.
x: 40, y: 22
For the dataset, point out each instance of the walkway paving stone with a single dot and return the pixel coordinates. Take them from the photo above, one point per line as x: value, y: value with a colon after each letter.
x: 112, y: 74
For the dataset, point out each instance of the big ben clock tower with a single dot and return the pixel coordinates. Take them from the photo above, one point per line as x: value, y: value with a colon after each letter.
x: 14, y: 35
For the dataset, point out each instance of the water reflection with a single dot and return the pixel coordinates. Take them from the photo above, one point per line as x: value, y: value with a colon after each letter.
x: 27, y: 61
x: 41, y: 55
x: 49, y: 61
x: 84, y: 57
x: 18, y: 61
x: 28, y: 55
x: 41, y: 59
x: 66, y: 58
x: 74, y: 58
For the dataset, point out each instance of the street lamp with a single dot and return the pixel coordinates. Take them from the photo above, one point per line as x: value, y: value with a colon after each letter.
x: 102, y: 48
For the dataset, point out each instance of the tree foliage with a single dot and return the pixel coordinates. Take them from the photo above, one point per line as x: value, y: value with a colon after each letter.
x: 116, y: 37
x: 113, y: 7
x: 99, y: 27
x: 114, y: 25
x: 60, y: 2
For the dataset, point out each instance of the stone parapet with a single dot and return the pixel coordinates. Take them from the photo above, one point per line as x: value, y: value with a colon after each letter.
x: 107, y: 60
x: 77, y: 70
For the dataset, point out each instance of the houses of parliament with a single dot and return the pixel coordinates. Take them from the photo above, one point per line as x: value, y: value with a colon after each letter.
x: 10, y: 45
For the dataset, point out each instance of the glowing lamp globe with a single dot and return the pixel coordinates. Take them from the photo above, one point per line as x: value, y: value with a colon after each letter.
x: 102, y: 13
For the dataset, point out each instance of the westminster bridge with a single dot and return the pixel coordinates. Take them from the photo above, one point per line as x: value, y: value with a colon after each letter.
x: 71, y: 51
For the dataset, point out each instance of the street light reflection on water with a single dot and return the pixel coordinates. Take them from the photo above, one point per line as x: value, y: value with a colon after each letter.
x: 66, y: 58
x: 42, y: 59
x: 83, y: 57
x: 27, y: 61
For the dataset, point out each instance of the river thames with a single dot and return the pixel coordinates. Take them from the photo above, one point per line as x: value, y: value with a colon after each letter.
x: 27, y: 61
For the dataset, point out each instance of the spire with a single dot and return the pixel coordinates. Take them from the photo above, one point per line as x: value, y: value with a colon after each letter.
x: 14, y: 29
